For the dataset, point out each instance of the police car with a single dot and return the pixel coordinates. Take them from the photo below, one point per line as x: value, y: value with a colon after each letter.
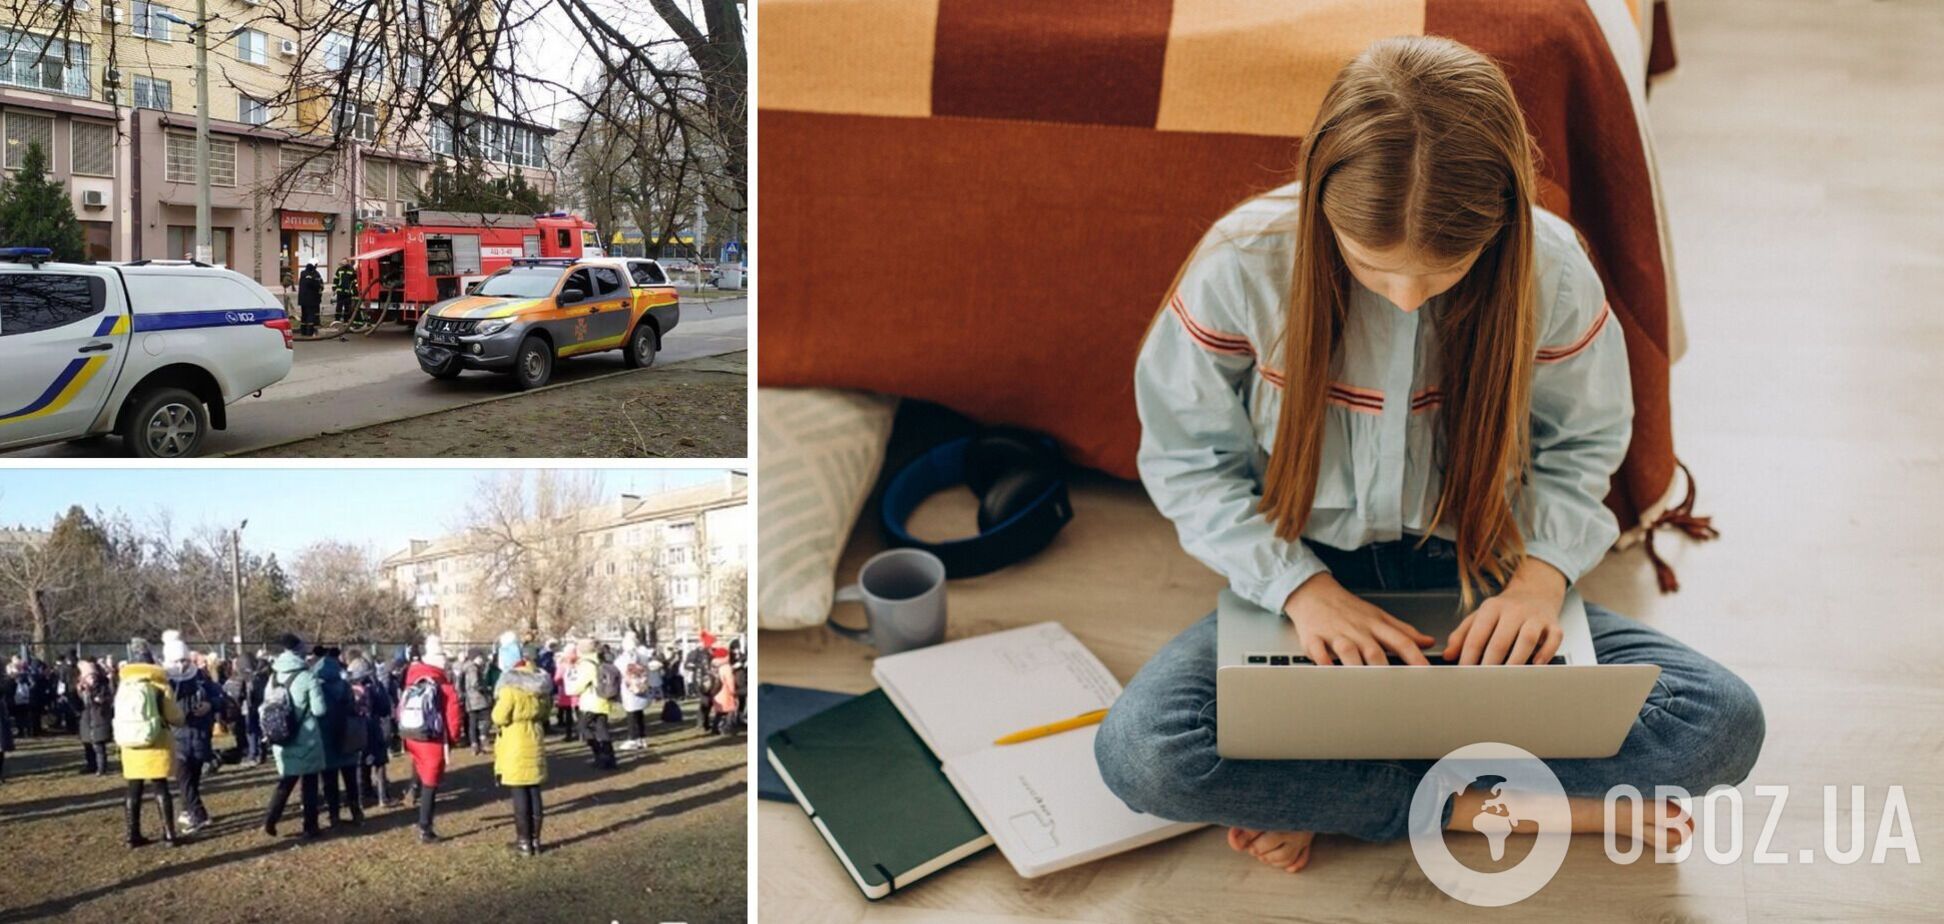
x: 152, y: 351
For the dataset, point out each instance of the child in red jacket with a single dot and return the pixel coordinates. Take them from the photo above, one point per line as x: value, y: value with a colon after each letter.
x: 429, y: 757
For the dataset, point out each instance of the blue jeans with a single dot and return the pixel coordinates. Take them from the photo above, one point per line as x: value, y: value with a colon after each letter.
x: 1700, y: 727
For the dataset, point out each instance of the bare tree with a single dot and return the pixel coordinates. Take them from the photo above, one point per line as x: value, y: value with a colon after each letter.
x: 525, y: 529
x: 731, y: 592
x: 32, y: 569
x: 646, y: 589
x: 340, y: 598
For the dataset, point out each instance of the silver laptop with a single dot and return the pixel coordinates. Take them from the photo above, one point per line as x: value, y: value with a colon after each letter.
x: 1272, y: 704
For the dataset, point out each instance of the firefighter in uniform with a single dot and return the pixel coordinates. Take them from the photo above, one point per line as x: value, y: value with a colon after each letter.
x: 345, y: 283
x: 310, y: 298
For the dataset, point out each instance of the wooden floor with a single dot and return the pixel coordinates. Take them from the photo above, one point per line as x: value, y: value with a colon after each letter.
x: 1802, y: 148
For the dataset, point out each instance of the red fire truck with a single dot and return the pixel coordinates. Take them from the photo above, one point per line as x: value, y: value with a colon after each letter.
x: 404, y: 267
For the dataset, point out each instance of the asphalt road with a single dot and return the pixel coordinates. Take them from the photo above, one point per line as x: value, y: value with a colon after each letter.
x: 368, y: 380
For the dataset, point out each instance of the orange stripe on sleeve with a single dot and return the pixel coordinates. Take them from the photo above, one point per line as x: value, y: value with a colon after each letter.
x: 1561, y: 354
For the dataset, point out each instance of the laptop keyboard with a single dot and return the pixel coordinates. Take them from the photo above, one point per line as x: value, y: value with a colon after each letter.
x: 1282, y: 660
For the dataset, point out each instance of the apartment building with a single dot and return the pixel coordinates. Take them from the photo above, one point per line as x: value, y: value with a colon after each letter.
x: 677, y: 549
x: 108, y: 89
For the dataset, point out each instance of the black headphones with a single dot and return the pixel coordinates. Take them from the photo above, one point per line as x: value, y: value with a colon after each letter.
x: 1021, y: 483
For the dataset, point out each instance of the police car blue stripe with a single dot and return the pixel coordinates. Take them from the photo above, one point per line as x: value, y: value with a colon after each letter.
x: 183, y: 320
x: 107, y: 324
x: 60, y: 382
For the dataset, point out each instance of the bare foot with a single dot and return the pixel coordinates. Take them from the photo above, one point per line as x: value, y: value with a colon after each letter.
x: 1288, y: 851
x: 1665, y: 827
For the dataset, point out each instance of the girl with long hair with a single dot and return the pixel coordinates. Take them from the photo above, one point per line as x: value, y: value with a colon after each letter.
x: 1396, y: 372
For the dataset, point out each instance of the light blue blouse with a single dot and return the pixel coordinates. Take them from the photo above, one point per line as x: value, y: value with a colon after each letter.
x: 1209, y: 401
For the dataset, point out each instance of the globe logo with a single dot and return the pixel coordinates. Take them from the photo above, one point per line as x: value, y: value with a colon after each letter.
x: 1495, y: 818
x: 1513, y: 791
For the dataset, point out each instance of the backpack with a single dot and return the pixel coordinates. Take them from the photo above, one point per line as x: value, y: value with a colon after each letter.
x: 355, y: 734
x: 419, y: 716
x: 277, y: 717
x: 192, y: 697
x: 607, y: 682
x: 637, y: 680
x: 138, y: 715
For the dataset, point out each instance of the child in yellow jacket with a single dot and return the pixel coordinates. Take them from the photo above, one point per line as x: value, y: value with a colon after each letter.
x: 520, y: 707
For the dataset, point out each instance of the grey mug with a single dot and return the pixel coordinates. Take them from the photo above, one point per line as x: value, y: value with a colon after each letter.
x: 903, y: 593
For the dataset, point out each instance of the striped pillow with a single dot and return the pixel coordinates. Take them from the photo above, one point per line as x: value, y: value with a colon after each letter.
x: 818, y: 455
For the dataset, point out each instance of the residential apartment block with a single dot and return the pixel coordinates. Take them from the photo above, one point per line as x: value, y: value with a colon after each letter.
x: 108, y: 89
x: 678, y: 548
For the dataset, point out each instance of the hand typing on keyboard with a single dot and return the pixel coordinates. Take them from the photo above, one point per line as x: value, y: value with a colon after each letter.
x: 1518, y: 626
x: 1334, y: 624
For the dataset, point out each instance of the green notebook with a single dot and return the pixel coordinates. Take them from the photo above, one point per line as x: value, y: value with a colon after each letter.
x: 876, y: 793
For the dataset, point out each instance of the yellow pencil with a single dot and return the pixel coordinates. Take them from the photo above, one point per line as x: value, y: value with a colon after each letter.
x: 1079, y: 721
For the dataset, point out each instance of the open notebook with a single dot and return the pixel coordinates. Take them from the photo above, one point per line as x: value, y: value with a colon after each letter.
x: 1043, y: 801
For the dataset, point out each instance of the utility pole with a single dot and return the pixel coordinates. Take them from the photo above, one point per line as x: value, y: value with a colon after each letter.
x: 236, y: 582
x: 205, y: 249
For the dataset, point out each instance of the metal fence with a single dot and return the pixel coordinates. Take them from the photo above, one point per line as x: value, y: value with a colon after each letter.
x: 378, y: 650
x: 223, y: 649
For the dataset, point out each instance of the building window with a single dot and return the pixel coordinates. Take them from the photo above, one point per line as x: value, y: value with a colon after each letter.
x: 100, y: 237
x: 412, y: 71
x: 151, y: 93
x: 424, y: 14
x: 146, y: 21
x: 408, y: 183
x: 253, y: 47
x: 357, y: 120
x: 182, y: 243
x: 337, y: 50
x: 377, y: 179
x: 363, y: 58
x: 442, y: 138
x: 499, y: 142
x: 310, y: 170
x: 91, y: 148
x: 179, y: 163
x: 24, y: 130
x: 41, y: 63
x: 252, y: 111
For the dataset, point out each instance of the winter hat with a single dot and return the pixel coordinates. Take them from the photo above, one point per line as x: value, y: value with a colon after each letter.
x: 292, y: 643
x: 173, y: 647
x: 509, y: 651
x: 138, y: 651
x: 360, y: 668
x: 719, y: 653
x: 434, y: 653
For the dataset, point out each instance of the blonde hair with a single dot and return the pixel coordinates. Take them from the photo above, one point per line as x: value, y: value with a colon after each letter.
x: 1420, y: 143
